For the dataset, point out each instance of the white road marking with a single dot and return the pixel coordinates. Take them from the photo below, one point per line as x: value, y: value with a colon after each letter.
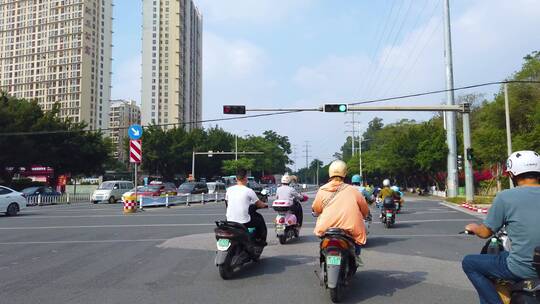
x: 187, y: 225
x: 82, y: 242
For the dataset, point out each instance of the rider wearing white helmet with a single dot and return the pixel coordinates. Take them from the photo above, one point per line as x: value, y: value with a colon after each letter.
x: 286, y: 192
x: 518, y: 210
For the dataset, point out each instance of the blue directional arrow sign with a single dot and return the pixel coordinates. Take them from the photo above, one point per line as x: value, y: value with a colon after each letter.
x: 135, y: 132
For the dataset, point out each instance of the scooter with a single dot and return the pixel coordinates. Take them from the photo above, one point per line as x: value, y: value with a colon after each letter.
x: 388, y: 216
x: 337, y: 262
x: 286, y: 223
x: 236, y: 246
x: 522, y: 292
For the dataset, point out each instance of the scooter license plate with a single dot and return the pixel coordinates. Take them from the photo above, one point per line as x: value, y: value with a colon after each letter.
x: 223, y: 244
x: 280, y: 227
x: 389, y: 215
x: 333, y: 260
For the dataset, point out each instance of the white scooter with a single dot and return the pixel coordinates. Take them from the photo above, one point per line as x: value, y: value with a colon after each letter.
x: 287, y: 226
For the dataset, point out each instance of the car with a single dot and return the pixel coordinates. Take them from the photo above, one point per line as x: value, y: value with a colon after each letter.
x: 216, y: 187
x: 40, y: 190
x: 111, y: 191
x: 157, y: 189
x: 192, y: 188
x: 255, y: 186
x: 11, y: 201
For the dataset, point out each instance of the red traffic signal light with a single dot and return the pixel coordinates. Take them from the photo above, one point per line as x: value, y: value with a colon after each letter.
x: 234, y: 109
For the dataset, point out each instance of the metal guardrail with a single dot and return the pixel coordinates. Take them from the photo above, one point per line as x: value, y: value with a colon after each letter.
x: 65, y: 198
x: 175, y: 200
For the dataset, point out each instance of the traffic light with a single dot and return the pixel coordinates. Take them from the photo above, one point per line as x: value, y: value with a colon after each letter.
x: 339, y: 108
x: 460, y: 162
x: 470, y: 155
x: 234, y: 109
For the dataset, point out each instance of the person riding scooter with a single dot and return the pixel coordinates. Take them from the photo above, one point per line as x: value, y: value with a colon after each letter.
x: 286, y: 192
x: 385, y: 192
x: 518, y: 211
x: 356, y: 181
x: 339, y: 205
x: 242, y: 203
x: 398, y: 195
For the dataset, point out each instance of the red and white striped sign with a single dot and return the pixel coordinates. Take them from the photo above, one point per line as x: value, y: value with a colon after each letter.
x: 135, y: 151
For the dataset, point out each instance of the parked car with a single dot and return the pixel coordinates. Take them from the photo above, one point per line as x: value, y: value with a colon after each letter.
x: 192, y: 188
x: 11, y: 201
x: 216, y: 187
x: 157, y: 189
x: 40, y: 190
x: 111, y: 191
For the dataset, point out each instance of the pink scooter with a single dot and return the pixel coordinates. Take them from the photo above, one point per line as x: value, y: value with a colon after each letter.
x: 286, y: 222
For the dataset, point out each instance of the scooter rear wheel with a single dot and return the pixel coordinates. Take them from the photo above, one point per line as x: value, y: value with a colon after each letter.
x: 388, y: 224
x: 282, y: 239
x: 336, y: 294
x: 225, y: 271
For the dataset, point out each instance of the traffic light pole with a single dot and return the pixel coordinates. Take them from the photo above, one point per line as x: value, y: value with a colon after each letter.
x: 469, y: 177
x: 435, y: 108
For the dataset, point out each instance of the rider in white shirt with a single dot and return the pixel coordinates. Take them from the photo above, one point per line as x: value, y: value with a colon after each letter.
x: 286, y: 192
x: 242, y: 203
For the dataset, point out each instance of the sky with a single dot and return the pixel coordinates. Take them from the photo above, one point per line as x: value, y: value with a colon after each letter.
x: 304, y: 53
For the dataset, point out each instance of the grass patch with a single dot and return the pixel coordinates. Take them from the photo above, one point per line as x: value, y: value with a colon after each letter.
x: 481, y: 200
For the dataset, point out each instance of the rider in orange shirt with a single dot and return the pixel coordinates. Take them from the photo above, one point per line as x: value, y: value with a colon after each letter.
x: 340, y: 205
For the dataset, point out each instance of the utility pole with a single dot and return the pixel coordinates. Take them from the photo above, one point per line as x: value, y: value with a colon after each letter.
x: 508, y: 131
x: 452, y: 179
x: 354, y: 125
x: 307, y: 160
x: 295, y: 150
x: 318, y: 172
x: 469, y: 177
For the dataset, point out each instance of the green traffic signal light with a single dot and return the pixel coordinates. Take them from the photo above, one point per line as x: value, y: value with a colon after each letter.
x: 336, y: 108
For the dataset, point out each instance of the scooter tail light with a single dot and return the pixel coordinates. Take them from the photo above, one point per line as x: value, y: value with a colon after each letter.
x: 281, y: 220
x: 334, y: 243
x: 224, y: 234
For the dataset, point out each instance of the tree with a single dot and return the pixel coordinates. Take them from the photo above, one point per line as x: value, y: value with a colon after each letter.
x: 48, y: 140
x: 231, y: 166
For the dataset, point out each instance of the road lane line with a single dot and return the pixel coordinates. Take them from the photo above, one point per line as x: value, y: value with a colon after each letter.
x: 82, y: 242
x: 187, y: 225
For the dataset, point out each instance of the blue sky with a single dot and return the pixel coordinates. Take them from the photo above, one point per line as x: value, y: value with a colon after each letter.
x: 270, y: 53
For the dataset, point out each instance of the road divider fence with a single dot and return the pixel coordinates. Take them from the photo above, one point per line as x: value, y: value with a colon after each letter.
x: 178, y: 200
x: 65, y: 198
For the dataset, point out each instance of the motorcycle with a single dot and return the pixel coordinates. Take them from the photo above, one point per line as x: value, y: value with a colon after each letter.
x: 389, y: 212
x: 522, y: 292
x: 236, y: 246
x: 263, y: 195
x: 286, y: 223
x: 337, y: 262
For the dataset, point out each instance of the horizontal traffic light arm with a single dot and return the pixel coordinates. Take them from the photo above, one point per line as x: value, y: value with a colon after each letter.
x: 462, y: 108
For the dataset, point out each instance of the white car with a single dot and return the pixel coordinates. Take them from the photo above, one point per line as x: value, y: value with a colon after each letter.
x: 11, y: 201
x: 111, y: 191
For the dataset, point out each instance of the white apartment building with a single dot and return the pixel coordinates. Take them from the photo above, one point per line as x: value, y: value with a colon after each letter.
x: 59, y: 51
x: 172, y: 63
x: 123, y: 113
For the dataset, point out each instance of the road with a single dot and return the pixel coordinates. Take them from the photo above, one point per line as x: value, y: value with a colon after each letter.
x: 95, y: 254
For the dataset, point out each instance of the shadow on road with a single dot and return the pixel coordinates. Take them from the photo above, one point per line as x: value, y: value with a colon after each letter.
x: 373, y: 283
x: 374, y: 242
x: 271, y: 265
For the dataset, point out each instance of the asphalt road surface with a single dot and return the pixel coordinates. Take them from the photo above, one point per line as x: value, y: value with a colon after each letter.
x: 95, y: 254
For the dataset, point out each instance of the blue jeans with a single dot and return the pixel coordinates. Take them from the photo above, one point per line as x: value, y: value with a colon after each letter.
x: 479, y: 268
x: 357, y: 249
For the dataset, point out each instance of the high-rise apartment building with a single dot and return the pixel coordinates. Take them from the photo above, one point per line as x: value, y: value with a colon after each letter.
x: 59, y: 51
x: 172, y: 63
x: 123, y: 114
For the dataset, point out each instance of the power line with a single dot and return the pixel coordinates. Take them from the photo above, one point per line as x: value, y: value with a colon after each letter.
x: 279, y: 113
x: 389, y: 53
x: 156, y: 125
x: 443, y: 91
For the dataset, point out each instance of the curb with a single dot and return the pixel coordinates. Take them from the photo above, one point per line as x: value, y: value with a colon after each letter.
x: 468, y: 211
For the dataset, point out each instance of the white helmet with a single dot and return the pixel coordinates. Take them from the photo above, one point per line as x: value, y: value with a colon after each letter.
x: 523, y: 161
x: 286, y: 179
x: 337, y: 168
x: 386, y: 183
x: 395, y: 188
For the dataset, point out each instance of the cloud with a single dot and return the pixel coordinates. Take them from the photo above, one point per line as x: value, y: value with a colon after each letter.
x: 126, y: 80
x: 226, y: 59
x: 252, y: 11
